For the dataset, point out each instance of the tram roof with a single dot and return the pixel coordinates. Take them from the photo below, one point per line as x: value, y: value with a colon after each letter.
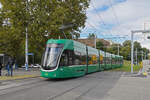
x: 68, y: 44
x: 71, y: 44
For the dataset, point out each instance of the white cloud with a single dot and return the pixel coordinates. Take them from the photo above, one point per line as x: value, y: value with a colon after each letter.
x: 131, y: 15
x: 97, y: 4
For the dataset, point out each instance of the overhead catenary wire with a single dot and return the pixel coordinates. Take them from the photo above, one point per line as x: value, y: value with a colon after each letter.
x: 100, y: 17
x: 114, y: 12
x: 102, y: 22
x: 115, y: 15
x: 111, y: 38
x: 94, y: 27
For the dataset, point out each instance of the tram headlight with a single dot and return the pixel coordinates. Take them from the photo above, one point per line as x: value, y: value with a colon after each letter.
x: 61, y: 69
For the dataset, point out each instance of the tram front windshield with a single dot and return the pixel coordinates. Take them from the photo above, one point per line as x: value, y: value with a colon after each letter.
x: 51, y: 56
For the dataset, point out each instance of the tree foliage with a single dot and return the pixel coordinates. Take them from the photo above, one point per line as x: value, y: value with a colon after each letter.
x: 125, y: 50
x: 41, y: 17
x: 114, y: 48
x: 99, y: 45
x: 91, y: 36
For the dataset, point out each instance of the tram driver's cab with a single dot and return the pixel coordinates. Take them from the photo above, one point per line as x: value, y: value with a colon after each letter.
x: 52, y: 56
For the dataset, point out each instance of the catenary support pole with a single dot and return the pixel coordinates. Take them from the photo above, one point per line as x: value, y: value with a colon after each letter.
x: 132, y: 49
x: 145, y: 56
x: 142, y: 55
x: 136, y: 57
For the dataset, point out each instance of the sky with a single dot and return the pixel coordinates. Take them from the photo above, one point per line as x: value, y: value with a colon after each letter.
x: 116, y: 18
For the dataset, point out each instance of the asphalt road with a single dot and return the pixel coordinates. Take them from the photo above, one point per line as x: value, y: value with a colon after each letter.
x: 97, y: 86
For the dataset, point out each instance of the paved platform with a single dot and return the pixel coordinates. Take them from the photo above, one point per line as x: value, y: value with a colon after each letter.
x: 20, y: 73
x: 130, y: 88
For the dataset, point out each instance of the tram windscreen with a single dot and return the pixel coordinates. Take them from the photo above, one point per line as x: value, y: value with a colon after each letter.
x: 51, y: 56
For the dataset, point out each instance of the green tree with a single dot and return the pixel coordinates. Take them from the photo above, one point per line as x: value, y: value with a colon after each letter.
x: 113, y: 49
x: 91, y: 36
x: 126, y: 50
x: 127, y: 43
x: 145, y: 52
x: 100, y: 45
x: 42, y: 17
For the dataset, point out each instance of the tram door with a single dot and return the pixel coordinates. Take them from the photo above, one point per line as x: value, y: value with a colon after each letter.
x: 87, y: 60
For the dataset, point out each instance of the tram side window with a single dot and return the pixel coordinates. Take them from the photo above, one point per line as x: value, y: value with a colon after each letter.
x: 113, y: 61
x: 90, y: 60
x: 104, y: 61
x: 95, y: 59
x: 107, y: 60
x: 77, y: 58
x: 83, y: 59
x: 101, y: 59
x: 66, y: 58
x: 70, y: 57
x: 117, y: 61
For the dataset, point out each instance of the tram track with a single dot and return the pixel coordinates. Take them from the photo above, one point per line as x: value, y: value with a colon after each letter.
x: 29, y: 86
x: 84, y: 93
x: 58, y: 89
x: 23, y: 87
x: 54, y: 97
x: 21, y: 84
x: 75, y: 87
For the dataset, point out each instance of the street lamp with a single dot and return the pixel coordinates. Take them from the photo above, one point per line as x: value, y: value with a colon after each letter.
x: 132, y: 44
x: 26, y: 43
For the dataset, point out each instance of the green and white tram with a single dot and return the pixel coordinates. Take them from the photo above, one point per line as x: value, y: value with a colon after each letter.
x: 68, y: 58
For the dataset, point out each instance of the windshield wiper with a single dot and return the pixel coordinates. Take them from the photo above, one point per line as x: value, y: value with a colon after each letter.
x: 54, y: 59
